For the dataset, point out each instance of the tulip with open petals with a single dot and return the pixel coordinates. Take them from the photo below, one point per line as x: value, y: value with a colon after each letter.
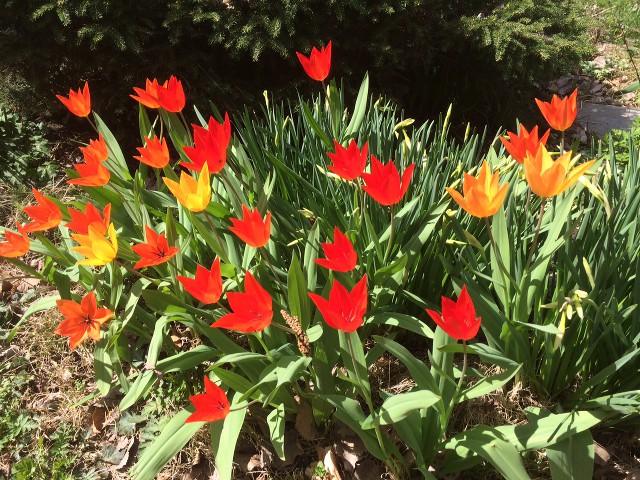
x: 318, y: 64
x: 78, y: 103
x: 155, y: 251
x: 194, y: 195
x: 97, y: 249
x: 482, y: 195
x: 458, y: 319
x: 210, y: 406
x: 92, y: 174
x: 350, y: 163
x: 149, y: 95
x: 519, y: 144
x: 341, y: 256
x: 384, y: 185
x: 207, y: 286
x: 548, y: 178
x: 155, y: 153
x: 82, y: 320
x: 96, y: 150
x: 252, y: 230
x: 211, y: 145
x: 80, y: 222
x: 17, y: 244
x: 560, y: 112
x: 344, y: 310
x: 46, y: 215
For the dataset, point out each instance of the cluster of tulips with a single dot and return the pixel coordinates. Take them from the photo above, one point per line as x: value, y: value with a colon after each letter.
x: 251, y: 311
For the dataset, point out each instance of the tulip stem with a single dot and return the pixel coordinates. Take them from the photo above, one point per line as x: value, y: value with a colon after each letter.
x: 501, y: 266
x: 361, y: 195
x: 186, y: 127
x: 136, y: 272
x: 242, y: 407
x: 264, y: 345
x: 161, y: 126
x: 215, y: 232
x: 93, y: 124
x: 282, y: 327
x: 535, y: 237
x: 386, y: 254
x: 454, y: 399
x: 233, y: 190
x: 562, y: 142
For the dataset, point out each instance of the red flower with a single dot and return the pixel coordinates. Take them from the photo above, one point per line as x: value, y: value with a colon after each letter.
x: 78, y: 103
x: 155, y: 251
x: 210, y: 146
x: 80, y: 222
x: 171, y: 95
x: 149, y: 96
x: 92, y: 174
x: 96, y: 150
x: 458, y: 319
x: 349, y: 164
x: 383, y: 184
x: 341, y: 256
x: 210, y: 406
x: 519, y: 145
x: 45, y: 215
x: 560, y: 112
x: 207, y: 286
x: 155, y: 153
x: 343, y: 311
x: 82, y: 320
x: 252, y: 310
x: 252, y: 230
x: 318, y: 64
x: 16, y: 245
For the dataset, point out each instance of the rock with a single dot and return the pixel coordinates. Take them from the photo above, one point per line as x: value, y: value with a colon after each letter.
x: 599, y: 62
x: 596, y: 88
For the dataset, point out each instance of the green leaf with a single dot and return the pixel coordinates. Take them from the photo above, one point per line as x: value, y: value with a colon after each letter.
x: 398, y: 407
x: 487, y: 385
x: 224, y: 436
x: 276, y: 422
x: 572, y: 458
x: 407, y: 322
x: 359, y: 109
x: 102, y: 366
x: 298, y: 294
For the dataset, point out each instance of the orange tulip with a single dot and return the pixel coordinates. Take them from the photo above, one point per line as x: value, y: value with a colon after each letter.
x: 92, y: 174
x: 252, y: 230
x: 155, y: 154
x: 78, y: 103
x: 16, y: 245
x: 149, y: 96
x: 548, y: 178
x: 80, y: 222
x: 96, y: 150
x: 519, y: 145
x: 560, y: 113
x: 97, y: 249
x: 45, y: 215
x: 192, y: 194
x: 171, y: 95
x: 155, y: 251
x: 483, y: 195
x: 82, y: 320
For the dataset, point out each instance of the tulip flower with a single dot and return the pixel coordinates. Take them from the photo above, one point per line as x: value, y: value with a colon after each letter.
x: 344, y: 310
x: 560, y: 113
x: 341, y: 256
x: 97, y: 249
x: 210, y: 406
x: 458, y: 319
x: 82, y: 320
x: 207, y: 286
x: 45, y: 215
x: 78, y: 103
x: 252, y: 230
x: 16, y: 245
x: 92, y: 174
x: 483, y: 195
x: 96, y: 150
x: 149, y: 96
x: 80, y: 222
x: 171, y: 95
x: 155, y: 153
x: 318, y: 64
x: 519, y: 145
x: 194, y: 195
x: 548, y: 178
x: 155, y: 251
x: 349, y: 164
x: 383, y: 184
x: 211, y: 145
x: 252, y: 310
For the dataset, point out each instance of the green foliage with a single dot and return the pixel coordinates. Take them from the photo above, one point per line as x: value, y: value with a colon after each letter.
x: 624, y: 143
x: 24, y: 151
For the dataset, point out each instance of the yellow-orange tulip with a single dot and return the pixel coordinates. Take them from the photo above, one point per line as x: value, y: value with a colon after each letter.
x: 96, y: 247
x: 548, y: 178
x: 482, y: 195
x: 193, y: 194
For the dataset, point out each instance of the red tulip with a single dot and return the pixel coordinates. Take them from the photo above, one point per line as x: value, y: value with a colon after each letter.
x: 45, y: 215
x: 92, y: 174
x: 383, y: 184
x: 210, y: 406
x: 458, y: 319
x: 96, y: 150
x: 171, y: 95
x: 155, y: 251
x: 78, y: 103
x: 210, y: 146
x: 341, y: 256
x: 16, y: 245
x: 519, y: 145
x: 343, y: 311
x: 252, y: 230
x: 207, y: 286
x: 82, y: 320
x: 252, y: 310
x: 349, y: 164
x: 318, y: 64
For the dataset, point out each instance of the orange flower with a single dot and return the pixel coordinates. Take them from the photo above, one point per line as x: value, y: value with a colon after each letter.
x: 155, y: 154
x: 92, y: 174
x: 548, y: 178
x: 82, y: 320
x: 560, y: 113
x: 155, y: 251
x: 207, y: 286
x: 519, y: 145
x: 149, y: 96
x: 252, y: 230
x: 171, y: 95
x: 80, y: 222
x: 16, y: 245
x: 78, y: 103
x: 96, y: 150
x: 45, y: 215
x: 97, y: 249
x: 483, y: 195
x: 318, y: 64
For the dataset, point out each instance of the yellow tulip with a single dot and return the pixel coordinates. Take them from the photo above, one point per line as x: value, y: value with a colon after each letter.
x: 548, y: 178
x: 482, y: 195
x: 96, y: 247
x: 193, y: 194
